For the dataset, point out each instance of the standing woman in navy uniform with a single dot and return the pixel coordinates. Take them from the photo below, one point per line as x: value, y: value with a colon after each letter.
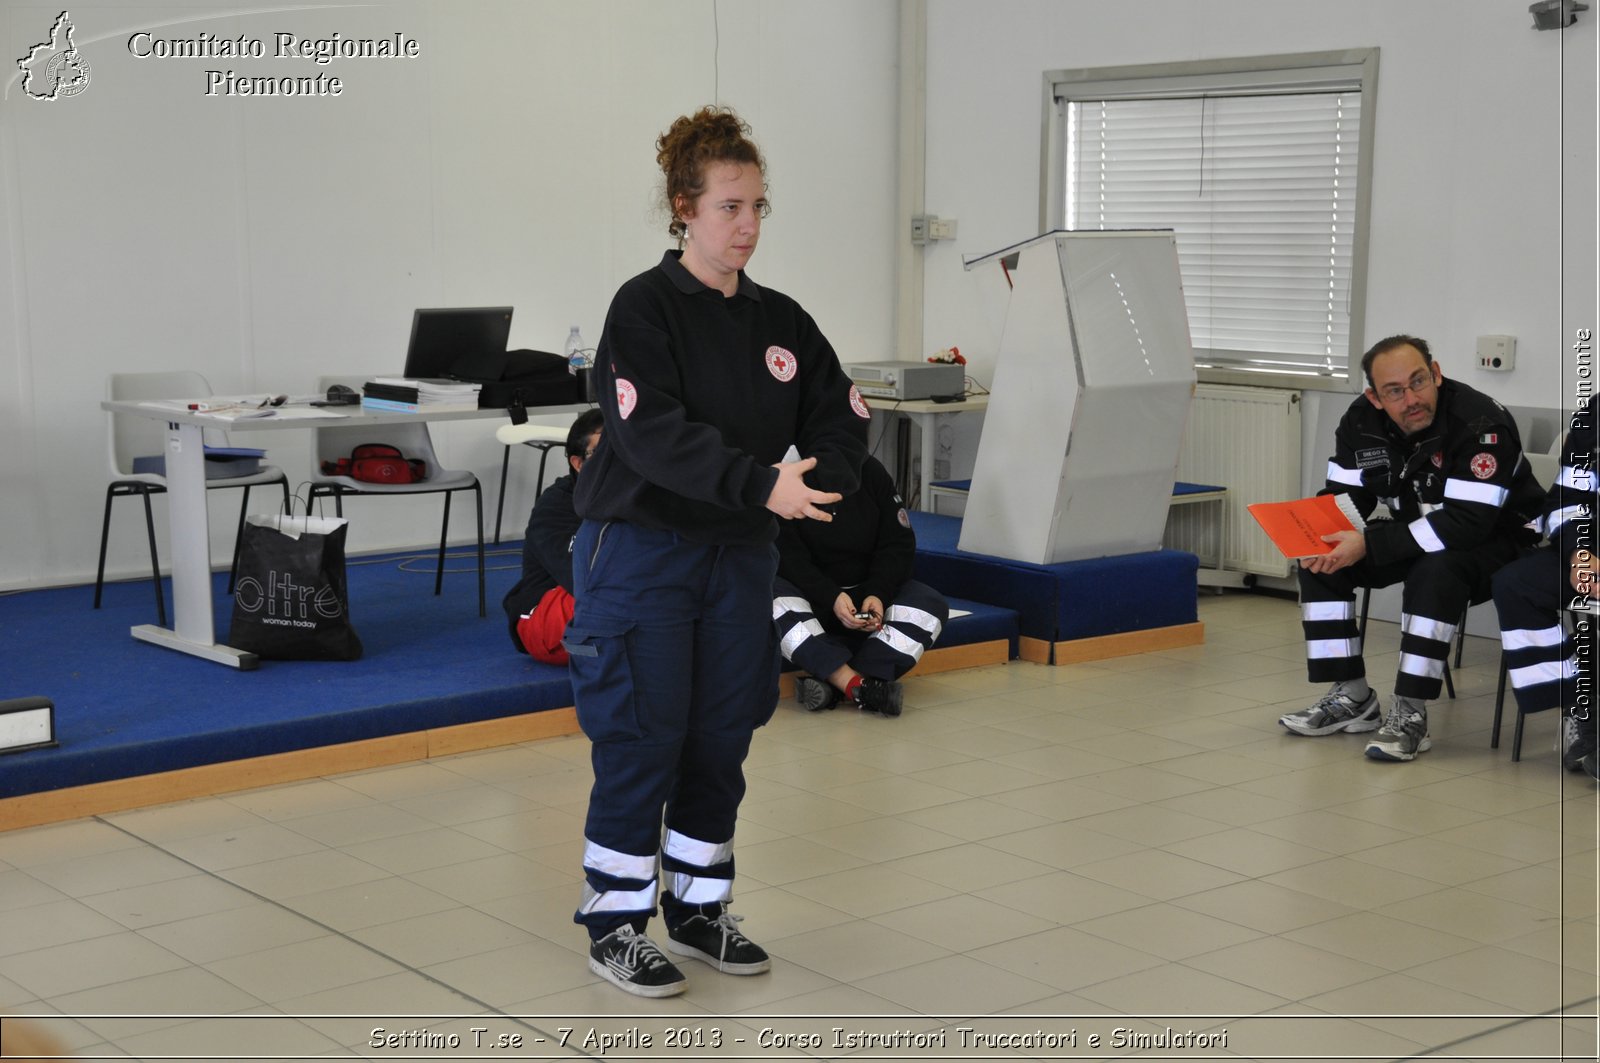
x: 706, y: 380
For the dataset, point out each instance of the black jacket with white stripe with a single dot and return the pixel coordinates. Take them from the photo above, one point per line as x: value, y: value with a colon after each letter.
x: 1569, y: 509
x: 1452, y: 486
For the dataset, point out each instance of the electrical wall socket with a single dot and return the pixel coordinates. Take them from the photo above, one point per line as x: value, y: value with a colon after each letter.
x: 1497, y: 353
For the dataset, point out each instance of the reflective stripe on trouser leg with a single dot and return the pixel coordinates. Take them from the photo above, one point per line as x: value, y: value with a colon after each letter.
x: 1424, y: 648
x: 696, y: 872
x: 1328, y: 618
x: 1541, y: 657
x: 1437, y: 589
x: 618, y: 887
x: 911, y: 625
x: 801, y: 637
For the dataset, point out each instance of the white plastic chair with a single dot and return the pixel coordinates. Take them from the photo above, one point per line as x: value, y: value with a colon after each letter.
x: 412, y: 439
x: 538, y: 436
x: 136, y: 437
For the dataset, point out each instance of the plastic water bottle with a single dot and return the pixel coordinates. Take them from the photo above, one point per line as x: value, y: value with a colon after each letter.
x: 577, y: 354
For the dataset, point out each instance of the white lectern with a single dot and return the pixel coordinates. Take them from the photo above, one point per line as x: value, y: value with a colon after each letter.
x: 1091, y: 393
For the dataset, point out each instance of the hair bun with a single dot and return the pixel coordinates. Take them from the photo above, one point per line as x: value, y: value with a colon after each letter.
x: 690, y: 144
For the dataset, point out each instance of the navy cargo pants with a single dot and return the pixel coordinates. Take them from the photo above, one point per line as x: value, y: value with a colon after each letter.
x: 1549, y: 668
x: 674, y: 664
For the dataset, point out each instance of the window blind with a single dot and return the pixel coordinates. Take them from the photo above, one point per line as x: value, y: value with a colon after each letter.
x: 1261, y: 192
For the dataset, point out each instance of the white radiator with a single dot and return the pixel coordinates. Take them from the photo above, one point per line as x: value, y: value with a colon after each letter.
x: 1248, y: 440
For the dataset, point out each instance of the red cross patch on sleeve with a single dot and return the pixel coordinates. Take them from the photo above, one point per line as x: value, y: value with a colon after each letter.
x: 1483, y: 466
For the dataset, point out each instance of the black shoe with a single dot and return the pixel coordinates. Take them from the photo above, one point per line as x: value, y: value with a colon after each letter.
x: 632, y: 962
x: 882, y: 696
x: 719, y: 943
x: 814, y: 694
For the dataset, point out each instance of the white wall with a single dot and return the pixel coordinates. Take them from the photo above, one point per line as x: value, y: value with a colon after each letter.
x: 267, y: 241
x: 1474, y: 133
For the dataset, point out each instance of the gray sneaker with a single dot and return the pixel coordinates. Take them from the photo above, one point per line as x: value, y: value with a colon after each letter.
x: 1404, y: 733
x: 1335, y: 711
x: 1574, y: 742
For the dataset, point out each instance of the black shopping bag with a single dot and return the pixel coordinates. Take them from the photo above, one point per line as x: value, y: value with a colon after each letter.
x: 290, y: 602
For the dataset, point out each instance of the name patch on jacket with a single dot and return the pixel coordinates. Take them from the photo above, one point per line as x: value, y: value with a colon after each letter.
x: 1366, y: 459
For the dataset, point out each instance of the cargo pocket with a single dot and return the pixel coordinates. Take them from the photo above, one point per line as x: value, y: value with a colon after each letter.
x: 767, y: 706
x: 602, y: 679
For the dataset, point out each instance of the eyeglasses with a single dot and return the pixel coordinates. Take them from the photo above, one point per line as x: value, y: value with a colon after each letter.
x: 1419, y: 383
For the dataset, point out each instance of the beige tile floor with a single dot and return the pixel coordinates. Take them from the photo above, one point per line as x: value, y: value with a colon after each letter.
x: 1131, y: 844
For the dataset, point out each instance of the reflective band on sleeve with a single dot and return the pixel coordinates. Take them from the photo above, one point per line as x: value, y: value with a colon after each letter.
x: 616, y: 900
x: 904, y: 614
x: 1545, y: 672
x: 1423, y: 627
x: 1574, y: 477
x: 798, y: 634
x: 1482, y: 493
x: 899, y: 642
x: 618, y: 865
x: 789, y: 605
x: 1523, y: 638
x: 697, y: 889
x: 1425, y: 536
x: 1561, y: 516
x: 1329, y: 649
x: 1414, y: 664
x: 1338, y: 474
x: 700, y: 854
x: 1315, y: 611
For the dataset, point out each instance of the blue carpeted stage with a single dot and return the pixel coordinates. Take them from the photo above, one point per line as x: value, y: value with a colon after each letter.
x: 126, y: 709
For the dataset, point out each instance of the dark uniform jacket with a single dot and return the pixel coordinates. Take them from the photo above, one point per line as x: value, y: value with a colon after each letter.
x: 1569, y: 507
x: 546, y: 552
x: 869, y: 546
x: 702, y: 395
x: 1451, y: 486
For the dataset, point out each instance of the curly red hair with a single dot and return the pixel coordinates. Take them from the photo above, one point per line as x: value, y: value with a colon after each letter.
x: 693, y: 142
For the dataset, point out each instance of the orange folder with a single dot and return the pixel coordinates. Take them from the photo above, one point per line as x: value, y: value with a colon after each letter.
x: 1297, y: 527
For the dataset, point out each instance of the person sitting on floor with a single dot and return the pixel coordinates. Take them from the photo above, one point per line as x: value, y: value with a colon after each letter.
x: 1548, y: 667
x: 844, y: 602
x: 540, y: 605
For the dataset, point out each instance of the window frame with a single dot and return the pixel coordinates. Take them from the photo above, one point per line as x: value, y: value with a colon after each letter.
x: 1353, y: 69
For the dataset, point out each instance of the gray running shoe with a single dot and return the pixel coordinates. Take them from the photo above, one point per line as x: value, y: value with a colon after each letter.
x: 1335, y: 711
x: 1574, y: 743
x: 1403, y: 735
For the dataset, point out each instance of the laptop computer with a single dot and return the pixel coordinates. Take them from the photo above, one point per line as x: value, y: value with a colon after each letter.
x: 451, y: 344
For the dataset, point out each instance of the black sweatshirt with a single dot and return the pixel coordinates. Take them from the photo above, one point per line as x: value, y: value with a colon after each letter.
x: 702, y: 395
x: 869, y: 546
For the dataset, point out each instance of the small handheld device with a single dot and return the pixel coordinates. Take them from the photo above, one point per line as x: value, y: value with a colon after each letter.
x: 862, y: 614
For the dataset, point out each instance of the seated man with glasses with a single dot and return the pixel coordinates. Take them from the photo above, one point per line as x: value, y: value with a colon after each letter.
x: 540, y: 605
x: 1447, y: 462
